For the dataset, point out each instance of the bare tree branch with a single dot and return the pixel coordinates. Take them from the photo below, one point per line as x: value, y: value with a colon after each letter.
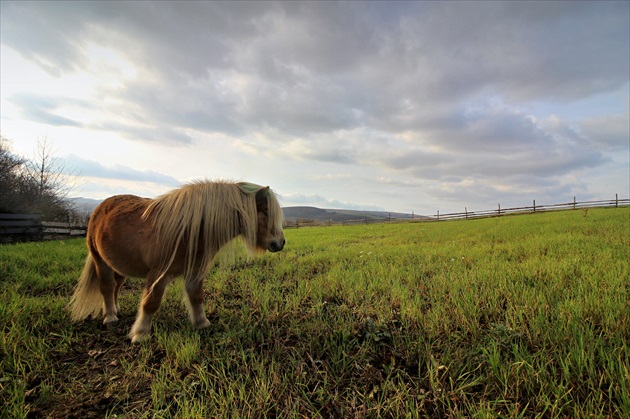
x: 40, y: 185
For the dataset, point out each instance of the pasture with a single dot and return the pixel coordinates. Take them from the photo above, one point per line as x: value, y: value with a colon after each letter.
x: 517, y: 316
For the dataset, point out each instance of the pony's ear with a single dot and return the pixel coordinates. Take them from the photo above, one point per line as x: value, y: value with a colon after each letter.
x: 262, y: 193
x: 250, y: 188
x: 261, y: 198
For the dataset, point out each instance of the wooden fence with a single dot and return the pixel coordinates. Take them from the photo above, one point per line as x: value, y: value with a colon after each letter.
x: 30, y: 227
x: 467, y: 215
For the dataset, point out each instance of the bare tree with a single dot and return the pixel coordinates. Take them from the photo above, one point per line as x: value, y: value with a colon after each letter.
x: 52, y: 181
x: 40, y: 185
x: 13, y: 180
x: 48, y: 171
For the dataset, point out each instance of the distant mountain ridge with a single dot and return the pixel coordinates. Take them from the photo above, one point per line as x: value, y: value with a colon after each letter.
x: 85, y: 205
x: 292, y: 214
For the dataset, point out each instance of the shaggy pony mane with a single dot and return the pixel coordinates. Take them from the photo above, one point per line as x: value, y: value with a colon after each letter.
x: 203, y: 216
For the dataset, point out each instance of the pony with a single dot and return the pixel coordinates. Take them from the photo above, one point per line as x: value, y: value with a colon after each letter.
x: 176, y: 234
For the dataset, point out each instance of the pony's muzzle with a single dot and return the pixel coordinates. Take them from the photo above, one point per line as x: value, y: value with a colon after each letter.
x: 276, y: 245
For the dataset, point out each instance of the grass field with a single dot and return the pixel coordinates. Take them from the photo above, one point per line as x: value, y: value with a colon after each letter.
x: 519, y: 316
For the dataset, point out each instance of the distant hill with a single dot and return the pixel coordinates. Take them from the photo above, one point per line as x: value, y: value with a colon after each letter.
x: 292, y: 214
x: 85, y: 205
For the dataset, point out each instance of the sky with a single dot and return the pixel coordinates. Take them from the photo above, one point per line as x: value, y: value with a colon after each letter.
x: 394, y: 106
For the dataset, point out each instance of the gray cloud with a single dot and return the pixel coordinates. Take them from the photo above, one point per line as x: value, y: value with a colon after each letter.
x: 92, y: 168
x: 317, y: 67
x: 610, y: 132
x: 42, y: 109
x: 145, y: 133
x: 489, y: 143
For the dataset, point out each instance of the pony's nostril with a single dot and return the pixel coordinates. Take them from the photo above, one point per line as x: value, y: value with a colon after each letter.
x: 275, y: 246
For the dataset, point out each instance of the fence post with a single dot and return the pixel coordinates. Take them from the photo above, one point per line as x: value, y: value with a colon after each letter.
x: 466, y: 211
x: 499, y: 209
x: 574, y: 203
x: 616, y: 200
x: 412, y: 215
x: 534, y: 205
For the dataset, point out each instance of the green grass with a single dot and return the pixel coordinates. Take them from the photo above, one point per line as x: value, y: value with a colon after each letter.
x: 519, y: 316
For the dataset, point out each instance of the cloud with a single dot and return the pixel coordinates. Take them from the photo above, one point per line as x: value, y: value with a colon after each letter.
x: 90, y: 168
x: 42, y: 109
x: 157, y: 135
x: 494, y: 143
x: 321, y: 67
x: 610, y: 132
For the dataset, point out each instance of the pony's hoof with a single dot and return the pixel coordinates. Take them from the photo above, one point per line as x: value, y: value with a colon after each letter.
x: 139, y: 333
x: 202, y: 323
x: 110, y: 320
x: 139, y: 337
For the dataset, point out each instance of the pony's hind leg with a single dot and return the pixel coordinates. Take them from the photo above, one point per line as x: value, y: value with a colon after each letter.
x: 120, y: 280
x: 193, y: 297
x: 107, y: 286
x: 151, y: 300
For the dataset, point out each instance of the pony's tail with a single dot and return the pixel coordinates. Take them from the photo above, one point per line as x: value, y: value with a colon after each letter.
x: 87, y: 298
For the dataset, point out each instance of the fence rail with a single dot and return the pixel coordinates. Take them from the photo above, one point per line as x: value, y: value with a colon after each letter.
x: 30, y: 227
x: 530, y: 209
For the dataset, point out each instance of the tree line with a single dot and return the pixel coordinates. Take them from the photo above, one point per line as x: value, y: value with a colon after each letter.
x: 39, y: 185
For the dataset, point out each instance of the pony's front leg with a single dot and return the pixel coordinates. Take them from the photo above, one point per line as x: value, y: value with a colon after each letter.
x: 193, y: 297
x: 151, y: 300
